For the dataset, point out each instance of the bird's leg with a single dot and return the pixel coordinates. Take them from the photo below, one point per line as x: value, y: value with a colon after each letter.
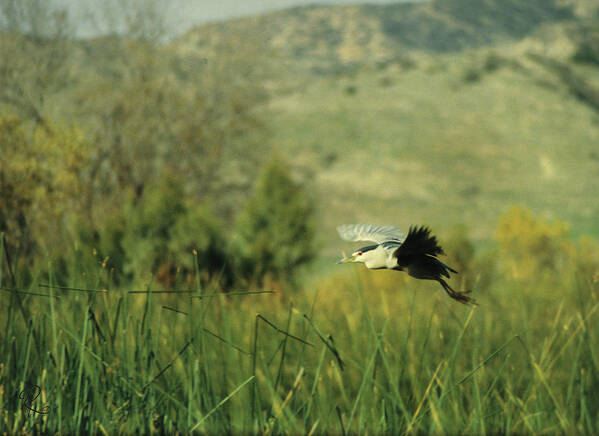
x: 459, y: 296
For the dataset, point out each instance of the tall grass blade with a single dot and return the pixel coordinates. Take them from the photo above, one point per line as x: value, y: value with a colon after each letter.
x: 488, y: 359
x: 280, y: 370
x: 283, y: 332
x: 329, y: 343
x: 180, y: 353
x: 223, y: 401
x: 70, y: 288
x: 78, y: 410
x: 362, y: 386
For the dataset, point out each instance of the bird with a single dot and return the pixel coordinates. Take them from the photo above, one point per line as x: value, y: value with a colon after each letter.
x: 415, y: 253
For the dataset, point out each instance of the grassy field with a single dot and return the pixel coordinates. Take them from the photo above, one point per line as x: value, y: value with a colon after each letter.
x: 360, y: 352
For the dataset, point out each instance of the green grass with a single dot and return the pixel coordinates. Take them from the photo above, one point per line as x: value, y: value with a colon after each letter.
x: 360, y: 352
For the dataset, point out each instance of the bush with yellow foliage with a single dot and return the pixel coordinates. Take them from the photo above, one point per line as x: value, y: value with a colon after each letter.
x: 40, y: 182
x: 529, y: 246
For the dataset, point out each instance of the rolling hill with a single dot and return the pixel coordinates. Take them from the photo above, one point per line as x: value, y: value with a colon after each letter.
x: 438, y: 112
x: 327, y: 38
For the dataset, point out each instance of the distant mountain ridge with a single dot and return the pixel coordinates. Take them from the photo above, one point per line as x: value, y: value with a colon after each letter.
x: 324, y: 36
x: 449, y: 25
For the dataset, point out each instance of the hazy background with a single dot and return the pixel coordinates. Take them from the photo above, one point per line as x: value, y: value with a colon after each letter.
x: 183, y: 14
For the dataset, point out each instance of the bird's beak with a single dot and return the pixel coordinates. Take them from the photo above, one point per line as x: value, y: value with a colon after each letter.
x: 348, y: 259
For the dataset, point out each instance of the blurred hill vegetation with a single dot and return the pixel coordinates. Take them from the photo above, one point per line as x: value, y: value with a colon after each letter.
x: 337, y: 39
x: 144, y: 155
x: 123, y: 150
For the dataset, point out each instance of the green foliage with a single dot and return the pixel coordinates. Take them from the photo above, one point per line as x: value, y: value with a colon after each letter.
x: 578, y: 84
x: 448, y: 25
x: 462, y: 256
x: 491, y: 62
x: 583, y: 265
x: 197, y: 236
x: 147, y: 109
x: 351, y: 90
x: 149, y: 225
x: 507, y: 16
x: 587, y: 48
x: 163, y: 234
x: 275, y: 227
x: 100, y: 244
x: 472, y: 75
x: 165, y: 114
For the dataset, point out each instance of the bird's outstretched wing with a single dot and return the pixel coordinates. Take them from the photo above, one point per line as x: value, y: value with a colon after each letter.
x: 369, y: 232
x: 419, y: 242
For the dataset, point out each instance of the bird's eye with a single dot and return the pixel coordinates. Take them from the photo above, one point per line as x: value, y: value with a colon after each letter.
x: 360, y: 253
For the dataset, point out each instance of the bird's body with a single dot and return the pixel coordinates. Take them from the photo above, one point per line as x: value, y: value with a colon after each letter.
x: 416, y: 253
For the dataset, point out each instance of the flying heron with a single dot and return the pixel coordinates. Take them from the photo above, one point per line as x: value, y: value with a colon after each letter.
x: 415, y: 253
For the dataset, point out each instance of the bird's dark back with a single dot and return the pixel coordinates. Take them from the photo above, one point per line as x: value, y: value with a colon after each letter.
x: 419, y: 242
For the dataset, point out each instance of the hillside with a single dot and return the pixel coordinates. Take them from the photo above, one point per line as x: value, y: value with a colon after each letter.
x: 444, y: 145
x: 328, y: 39
x: 432, y: 112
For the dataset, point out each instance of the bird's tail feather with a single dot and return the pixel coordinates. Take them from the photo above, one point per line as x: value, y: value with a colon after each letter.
x: 450, y: 269
x: 419, y: 241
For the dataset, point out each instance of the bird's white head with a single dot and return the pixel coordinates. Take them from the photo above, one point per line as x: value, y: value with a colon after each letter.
x: 373, y: 257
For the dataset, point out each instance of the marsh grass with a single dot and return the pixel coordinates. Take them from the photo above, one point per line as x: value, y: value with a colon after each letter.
x: 349, y: 356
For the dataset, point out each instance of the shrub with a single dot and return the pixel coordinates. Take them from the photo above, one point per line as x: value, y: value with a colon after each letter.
x: 167, y: 232
x: 471, y: 75
x: 587, y: 50
x: 385, y: 81
x: 162, y: 234
x: 40, y: 184
x: 197, y: 236
x: 584, y: 263
x: 275, y: 228
x: 461, y: 251
x: 530, y: 246
x: 351, y: 90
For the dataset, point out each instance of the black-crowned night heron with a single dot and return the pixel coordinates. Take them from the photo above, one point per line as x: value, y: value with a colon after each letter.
x: 416, y: 253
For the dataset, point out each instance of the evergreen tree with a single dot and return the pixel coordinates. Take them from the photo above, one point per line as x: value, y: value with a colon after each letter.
x: 276, y: 227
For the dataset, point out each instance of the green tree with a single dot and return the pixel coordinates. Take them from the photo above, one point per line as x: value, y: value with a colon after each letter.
x: 276, y: 234
x: 165, y: 232
x: 587, y: 49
